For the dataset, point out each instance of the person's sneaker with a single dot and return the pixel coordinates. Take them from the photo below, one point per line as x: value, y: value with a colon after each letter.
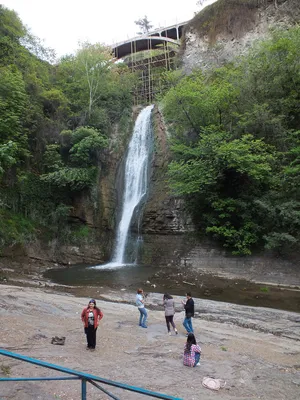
x: 169, y: 333
x: 176, y: 331
x: 144, y: 326
x: 198, y: 364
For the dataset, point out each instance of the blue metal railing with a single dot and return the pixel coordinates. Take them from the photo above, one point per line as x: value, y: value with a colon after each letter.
x: 76, y: 375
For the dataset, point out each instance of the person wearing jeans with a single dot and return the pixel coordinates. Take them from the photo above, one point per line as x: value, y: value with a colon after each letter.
x: 189, y: 313
x: 192, y: 352
x: 141, y: 307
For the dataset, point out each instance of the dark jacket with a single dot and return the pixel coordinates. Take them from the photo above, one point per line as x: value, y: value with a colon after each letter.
x: 189, y: 308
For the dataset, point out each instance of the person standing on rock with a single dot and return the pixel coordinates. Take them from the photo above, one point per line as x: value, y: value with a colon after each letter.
x: 140, y: 302
x: 189, y: 313
x: 192, y: 352
x: 90, y: 316
x: 169, y: 306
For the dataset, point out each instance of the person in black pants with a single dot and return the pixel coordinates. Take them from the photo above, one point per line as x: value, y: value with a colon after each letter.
x: 169, y: 306
x: 90, y: 316
x: 189, y: 313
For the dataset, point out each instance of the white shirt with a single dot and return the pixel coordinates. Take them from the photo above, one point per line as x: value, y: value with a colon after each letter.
x: 138, y: 301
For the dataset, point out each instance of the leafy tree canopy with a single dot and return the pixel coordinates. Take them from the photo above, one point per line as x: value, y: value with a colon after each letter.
x: 235, y: 141
x: 144, y: 24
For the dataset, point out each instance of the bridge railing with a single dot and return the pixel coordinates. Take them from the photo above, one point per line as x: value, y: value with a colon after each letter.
x: 77, y: 375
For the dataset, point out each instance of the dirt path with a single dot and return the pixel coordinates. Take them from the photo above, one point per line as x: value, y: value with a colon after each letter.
x: 255, y: 365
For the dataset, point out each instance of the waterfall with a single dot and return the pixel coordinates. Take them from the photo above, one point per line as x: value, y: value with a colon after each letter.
x: 136, y: 176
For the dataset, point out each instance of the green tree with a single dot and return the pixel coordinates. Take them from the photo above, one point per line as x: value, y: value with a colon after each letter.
x: 98, y: 89
x: 73, y: 164
x: 144, y: 24
x: 235, y: 142
x: 7, y: 156
x: 11, y: 30
x: 94, y: 62
x: 13, y: 102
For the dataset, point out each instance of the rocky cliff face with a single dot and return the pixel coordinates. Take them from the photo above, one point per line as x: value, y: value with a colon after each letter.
x: 164, y: 213
x: 228, y: 28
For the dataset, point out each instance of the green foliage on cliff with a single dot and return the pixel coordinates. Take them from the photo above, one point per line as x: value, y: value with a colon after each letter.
x: 55, y: 127
x: 15, y: 229
x: 235, y: 141
x: 73, y: 164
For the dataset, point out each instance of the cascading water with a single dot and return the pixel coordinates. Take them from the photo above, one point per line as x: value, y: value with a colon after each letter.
x: 135, y: 184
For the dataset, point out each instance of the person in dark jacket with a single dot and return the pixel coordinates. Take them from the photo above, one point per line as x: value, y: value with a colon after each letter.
x: 90, y: 316
x: 189, y: 313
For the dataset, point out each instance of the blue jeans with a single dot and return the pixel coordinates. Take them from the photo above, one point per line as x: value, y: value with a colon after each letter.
x: 143, y: 316
x: 187, y: 323
x: 197, y: 358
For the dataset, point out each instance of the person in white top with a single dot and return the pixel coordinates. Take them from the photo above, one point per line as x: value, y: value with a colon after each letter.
x: 140, y: 302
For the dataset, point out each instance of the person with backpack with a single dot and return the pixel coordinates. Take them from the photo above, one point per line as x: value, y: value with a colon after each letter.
x: 90, y: 316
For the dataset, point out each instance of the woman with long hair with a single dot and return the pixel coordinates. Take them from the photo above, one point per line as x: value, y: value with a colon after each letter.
x: 192, y: 352
x: 90, y: 316
x: 169, y: 306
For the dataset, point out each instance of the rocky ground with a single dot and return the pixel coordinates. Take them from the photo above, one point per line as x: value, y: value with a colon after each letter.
x: 255, y: 350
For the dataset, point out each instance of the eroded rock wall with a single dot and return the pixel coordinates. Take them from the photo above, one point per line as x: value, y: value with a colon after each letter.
x: 228, y: 28
x: 164, y: 213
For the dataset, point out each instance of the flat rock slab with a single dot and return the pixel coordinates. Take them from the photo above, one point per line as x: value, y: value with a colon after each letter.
x: 276, y: 322
x: 254, y: 364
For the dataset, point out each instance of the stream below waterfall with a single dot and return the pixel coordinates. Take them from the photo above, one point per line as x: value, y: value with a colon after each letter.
x: 174, y: 280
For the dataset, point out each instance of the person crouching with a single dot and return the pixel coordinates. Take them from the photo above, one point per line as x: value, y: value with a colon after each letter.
x: 192, y: 352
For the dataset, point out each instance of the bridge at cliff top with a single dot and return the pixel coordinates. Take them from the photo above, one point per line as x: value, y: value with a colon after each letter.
x: 149, y: 41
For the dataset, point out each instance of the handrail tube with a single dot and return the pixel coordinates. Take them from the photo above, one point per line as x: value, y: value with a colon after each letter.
x: 88, y: 377
x: 58, y: 378
x: 105, y: 391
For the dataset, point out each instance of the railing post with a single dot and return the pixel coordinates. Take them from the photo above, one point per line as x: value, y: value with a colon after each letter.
x: 83, y: 389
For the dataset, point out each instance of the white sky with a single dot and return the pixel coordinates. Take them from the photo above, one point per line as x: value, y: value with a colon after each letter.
x: 61, y: 24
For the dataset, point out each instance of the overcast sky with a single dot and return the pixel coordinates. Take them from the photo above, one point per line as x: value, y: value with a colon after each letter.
x: 63, y: 23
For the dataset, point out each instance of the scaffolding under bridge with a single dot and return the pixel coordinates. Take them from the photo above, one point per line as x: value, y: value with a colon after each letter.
x: 149, y: 56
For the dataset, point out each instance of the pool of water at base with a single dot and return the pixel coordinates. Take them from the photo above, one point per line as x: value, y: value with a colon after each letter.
x: 176, y: 281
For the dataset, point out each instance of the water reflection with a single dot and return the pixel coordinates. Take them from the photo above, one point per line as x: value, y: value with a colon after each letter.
x: 176, y: 281
x: 129, y: 275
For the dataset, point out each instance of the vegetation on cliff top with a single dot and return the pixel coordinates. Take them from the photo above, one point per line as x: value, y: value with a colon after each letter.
x: 236, y: 145
x: 55, y: 124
